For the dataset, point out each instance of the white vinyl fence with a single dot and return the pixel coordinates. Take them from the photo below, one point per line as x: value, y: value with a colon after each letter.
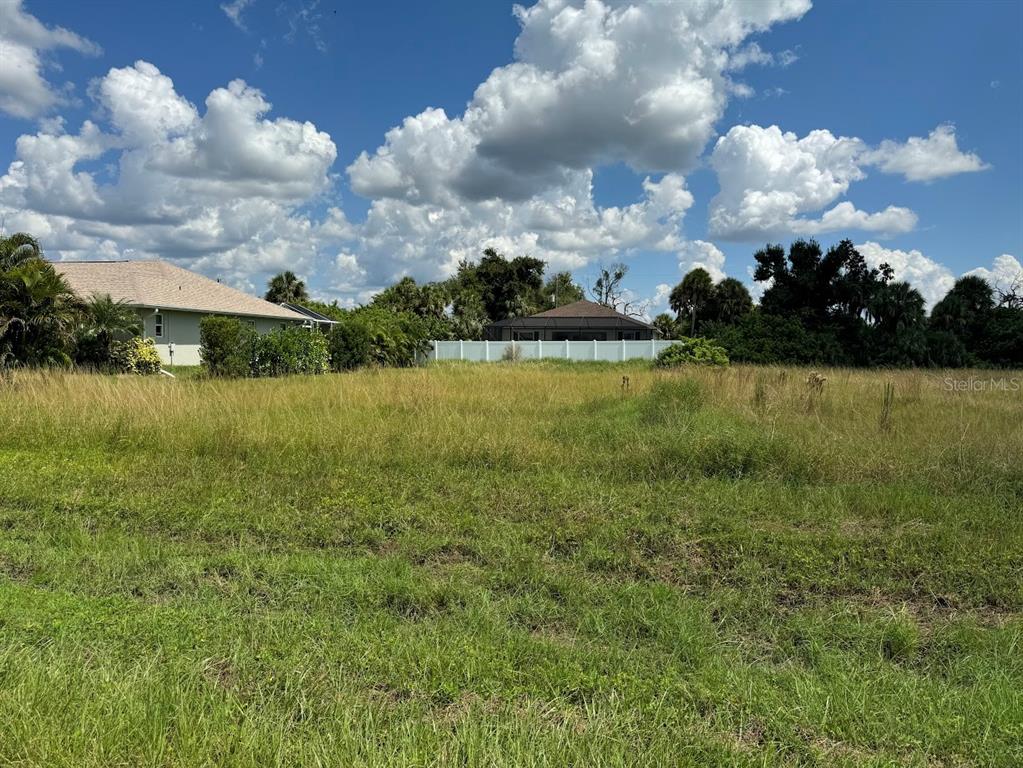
x: 494, y: 351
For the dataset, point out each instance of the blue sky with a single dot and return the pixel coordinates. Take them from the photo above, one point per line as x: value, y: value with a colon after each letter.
x: 900, y: 126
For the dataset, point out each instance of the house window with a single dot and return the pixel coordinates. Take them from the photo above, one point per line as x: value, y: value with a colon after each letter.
x: 627, y: 335
x: 579, y: 336
x: 524, y: 335
x: 158, y: 325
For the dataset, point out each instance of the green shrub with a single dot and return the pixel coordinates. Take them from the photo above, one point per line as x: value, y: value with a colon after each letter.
x: 226, y: 346
x: 232, y: 347
x: 765, y: 339
x: 136, y: 355
x: 691, y: 351
x: 350, y: 344
x: 398, y: 338
x: 382, y: 336
x: 290, y: 350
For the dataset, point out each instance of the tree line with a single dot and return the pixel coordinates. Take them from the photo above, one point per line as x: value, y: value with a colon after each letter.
x: 817, y: 308
x: 832, y: 308
x: 479, y: 293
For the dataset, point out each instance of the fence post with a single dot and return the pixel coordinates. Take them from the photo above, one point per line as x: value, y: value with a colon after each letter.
x: 653, y: 347
x: 594, y: 350
x: 486, y: 350
x: 568, y: 349
x: 539, y: 348
x: 461, y: 349
x: 435, y: 352
x: 623, y: 350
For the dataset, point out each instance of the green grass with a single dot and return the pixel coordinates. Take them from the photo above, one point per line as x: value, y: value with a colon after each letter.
x: 511, y: 565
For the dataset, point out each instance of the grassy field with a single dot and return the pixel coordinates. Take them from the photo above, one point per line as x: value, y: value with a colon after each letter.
x: 511, y: 565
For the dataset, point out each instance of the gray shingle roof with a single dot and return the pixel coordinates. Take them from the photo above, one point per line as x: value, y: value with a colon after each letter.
x: 164, y: 285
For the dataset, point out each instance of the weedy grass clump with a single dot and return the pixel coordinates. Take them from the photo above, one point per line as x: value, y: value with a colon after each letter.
x: 511, y: 565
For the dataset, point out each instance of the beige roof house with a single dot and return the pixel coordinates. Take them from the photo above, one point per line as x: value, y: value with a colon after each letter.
x: 161, y: 285
x: 172, y: 302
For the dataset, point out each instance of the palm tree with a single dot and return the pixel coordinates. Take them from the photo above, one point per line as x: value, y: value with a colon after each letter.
x: 666, y: 325
x: 897, y: 307
x: 104, y: 321
x: 730, y: 301
x: 17, y: 249
x: 38, y: 312
x: 899, y: 324
x: 692, y: 295
x: 286, y: 287
x: 965, y: 309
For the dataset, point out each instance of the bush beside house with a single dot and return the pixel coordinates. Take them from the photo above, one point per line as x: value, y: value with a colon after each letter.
x: 351, y: 344
x: 226, y: 346
x: 230, y: 347
x: 137, y: 356
x: 290, y: 350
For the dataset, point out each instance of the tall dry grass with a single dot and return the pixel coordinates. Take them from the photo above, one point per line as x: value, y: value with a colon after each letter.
x: 930, y: 430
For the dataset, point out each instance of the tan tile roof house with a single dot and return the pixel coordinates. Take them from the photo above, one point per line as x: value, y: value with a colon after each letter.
x: 172, y: 301
x: 164, y: 285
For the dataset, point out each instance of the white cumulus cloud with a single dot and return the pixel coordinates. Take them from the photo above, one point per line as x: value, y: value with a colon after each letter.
x: 1006, y: 273
x: 230, y: 188
x: 699, y: 253
x: 773, y: 183
x: 24, y: 45
x: 925, y: 159
x: 223, y: 190
x: 934, y: 279
x: 591, y: 84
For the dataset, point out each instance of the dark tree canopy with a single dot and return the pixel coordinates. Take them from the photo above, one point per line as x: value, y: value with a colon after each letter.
x: 698, y: 301
x: 507, y: 288
x: 818, y: 308
x: 429, y: 300
x: 560, y: 289
x: 286, y: 287
x: 965, y: 309
x: 692, y: 296
x: 821, y: 287
x: 729, y: 302
x: 899, y: 331
x: 834, y: 308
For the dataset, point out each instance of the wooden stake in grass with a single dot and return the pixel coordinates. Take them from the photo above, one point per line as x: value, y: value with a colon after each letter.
x: 886, y: 407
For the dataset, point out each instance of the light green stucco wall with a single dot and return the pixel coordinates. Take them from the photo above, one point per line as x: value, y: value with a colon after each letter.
x: 182, y: 330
